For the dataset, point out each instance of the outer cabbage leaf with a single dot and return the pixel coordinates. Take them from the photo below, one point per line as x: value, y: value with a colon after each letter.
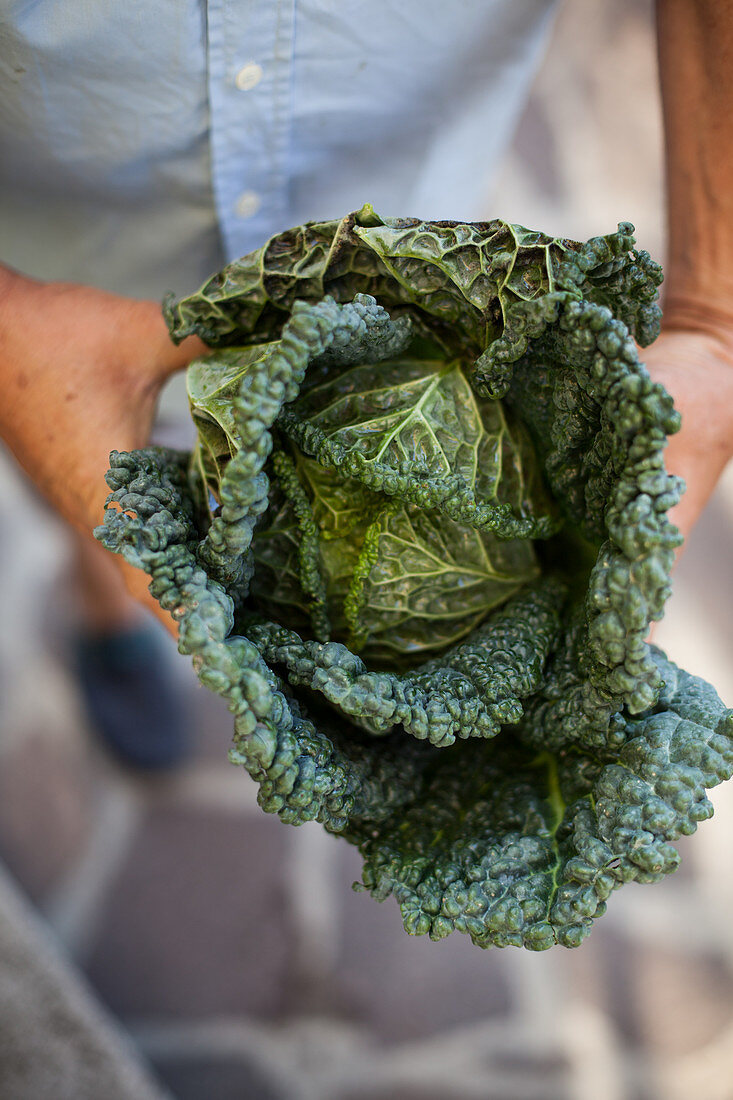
x: 508, y: 784
x: 522, y: 849
x: 470, y: 284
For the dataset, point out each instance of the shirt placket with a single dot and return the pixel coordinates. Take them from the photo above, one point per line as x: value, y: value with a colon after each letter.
x: 250, y: 51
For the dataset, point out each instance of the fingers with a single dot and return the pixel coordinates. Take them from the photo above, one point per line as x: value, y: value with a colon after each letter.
x: 178, y: 357
x: 175, y: 357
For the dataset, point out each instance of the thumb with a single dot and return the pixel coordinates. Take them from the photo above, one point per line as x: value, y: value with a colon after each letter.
x: 167, y: 357
x: 177, y: 357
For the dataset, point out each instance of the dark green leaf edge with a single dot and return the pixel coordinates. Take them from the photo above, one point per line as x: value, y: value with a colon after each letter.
x: 603, y: 452
x: 271, y: 382
x: 472, y: 690
x: 516, y: 850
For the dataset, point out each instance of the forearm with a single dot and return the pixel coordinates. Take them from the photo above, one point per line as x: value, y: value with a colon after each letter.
x: 695, y: 40
x: 80, y: 371
x: 16, y: 300
x: 53, y: 339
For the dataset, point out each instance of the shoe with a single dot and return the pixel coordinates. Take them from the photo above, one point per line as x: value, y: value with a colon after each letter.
x: 132, y: 697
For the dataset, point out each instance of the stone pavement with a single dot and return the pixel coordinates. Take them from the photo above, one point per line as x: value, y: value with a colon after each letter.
x: 55, y: 1038
x: 233, y: 948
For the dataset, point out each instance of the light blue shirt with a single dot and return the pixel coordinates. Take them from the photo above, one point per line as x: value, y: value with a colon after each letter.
x: 144, y: 142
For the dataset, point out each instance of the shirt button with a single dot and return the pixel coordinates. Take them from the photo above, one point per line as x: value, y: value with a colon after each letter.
x: 247, y: 204
x: 248, y: 76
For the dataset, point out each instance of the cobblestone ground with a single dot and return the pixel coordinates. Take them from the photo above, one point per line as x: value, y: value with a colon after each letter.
x: 233, y: 948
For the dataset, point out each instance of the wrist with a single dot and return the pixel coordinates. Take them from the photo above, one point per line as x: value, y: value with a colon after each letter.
x: 697, y: 314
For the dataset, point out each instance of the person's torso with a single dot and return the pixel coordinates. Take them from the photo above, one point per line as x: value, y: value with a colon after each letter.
x: 141, y: 144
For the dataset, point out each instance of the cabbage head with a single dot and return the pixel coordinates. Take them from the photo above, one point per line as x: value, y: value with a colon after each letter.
x: 418, y: 546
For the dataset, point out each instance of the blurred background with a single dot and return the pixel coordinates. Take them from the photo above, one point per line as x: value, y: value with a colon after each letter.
x: 230, y: 947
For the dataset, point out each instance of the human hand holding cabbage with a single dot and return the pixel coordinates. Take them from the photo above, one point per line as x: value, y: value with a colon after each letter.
x: 82, y: 370
x: 696, y: 367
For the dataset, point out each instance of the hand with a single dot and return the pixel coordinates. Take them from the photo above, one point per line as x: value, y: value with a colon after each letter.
x: 81, y: 371
x: 695, y: 365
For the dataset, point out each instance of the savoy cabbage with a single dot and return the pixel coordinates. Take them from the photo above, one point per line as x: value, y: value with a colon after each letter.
x: 418, y: 546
